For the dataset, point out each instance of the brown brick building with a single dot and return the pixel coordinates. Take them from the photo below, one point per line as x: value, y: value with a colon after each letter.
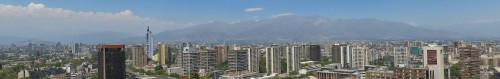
x: 411, y: 73
x: 378, y: 75
x: 470, y: 61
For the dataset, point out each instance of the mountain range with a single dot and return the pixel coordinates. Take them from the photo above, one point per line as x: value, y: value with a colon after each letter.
x: 316, y: 28
x: 294, y: 28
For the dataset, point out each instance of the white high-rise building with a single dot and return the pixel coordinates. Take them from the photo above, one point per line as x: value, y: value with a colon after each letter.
x: 354, y: 57
x: 401, y: 56
x: 359, y: 57
x: 273, y: 59
x: 345, y: 56
x: 292, y: 58
x: 433, y: 59
x: 149, y: 42
x: 253, y: 59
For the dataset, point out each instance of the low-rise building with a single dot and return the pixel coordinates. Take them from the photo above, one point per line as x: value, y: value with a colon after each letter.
x: 337, y: 74
x: 379, y: 75
x: 240, y: 75
x: 412, y: 73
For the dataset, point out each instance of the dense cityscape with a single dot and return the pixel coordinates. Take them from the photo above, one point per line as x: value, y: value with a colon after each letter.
x: 404, y: 59
x: 257, y: 39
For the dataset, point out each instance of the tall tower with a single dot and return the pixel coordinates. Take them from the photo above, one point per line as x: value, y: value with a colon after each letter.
x: 149, y: 41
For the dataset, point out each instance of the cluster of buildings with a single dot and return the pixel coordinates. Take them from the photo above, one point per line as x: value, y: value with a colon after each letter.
x: 321, y: 60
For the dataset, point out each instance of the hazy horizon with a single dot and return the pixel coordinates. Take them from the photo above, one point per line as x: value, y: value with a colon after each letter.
x: 60, y: 19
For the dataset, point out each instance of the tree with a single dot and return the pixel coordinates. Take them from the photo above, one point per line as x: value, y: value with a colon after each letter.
x: 490, y: 68
x: 283, y: 65
x: 159, y: 70
x: 93, y: 76
x: 223, y: 66
x: 325, y: 61
x: 294, y: 73
x: 262, y: 64
x: 175, y: 75
x: 455, y: 70
x: 195, y: 76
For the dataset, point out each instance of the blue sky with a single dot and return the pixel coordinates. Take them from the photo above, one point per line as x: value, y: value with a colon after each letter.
x: 183, y: 13
x: 428, y: 12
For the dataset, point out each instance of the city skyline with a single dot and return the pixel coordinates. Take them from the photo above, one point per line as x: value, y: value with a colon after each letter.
x: 63, y: 19
x: 222, y: 39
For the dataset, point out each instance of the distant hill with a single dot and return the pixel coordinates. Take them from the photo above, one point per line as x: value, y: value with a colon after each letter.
x: 100, y: 37
x: 306, y: 28
x: 7, y: 40
x: 480, y: 29
x: 33, y: 41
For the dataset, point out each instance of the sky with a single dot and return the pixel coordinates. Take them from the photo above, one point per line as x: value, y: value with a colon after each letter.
x: 46, y: 18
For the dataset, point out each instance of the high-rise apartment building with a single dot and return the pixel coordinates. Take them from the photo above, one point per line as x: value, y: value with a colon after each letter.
x: 198, y: 60
x: 314, y: 52
x: 354, y: 57
x: 433, y: 59
x: 162, y: 54
x: 253, y: 59
x: 345, y: 56
x: 190, y: 60
x: 111, y: 62
x: 336, y: 51
x: 401, y: 56
x: 292, y: 58
x: 470, y: 62
x: 139, y: 57
x: 359, y: 57
x: 237, y: 60
x: 273, y: 59
x: 76, y: 48
x: 208, y: 60
x: 221, y: 51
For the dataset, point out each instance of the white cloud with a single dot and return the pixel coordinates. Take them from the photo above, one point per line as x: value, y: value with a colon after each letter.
x: 39, y: 19
x: 282, y: 14
x: 253, y: 9
x: 190, y: 24
x: 413, y: 24
x: 486, y: 21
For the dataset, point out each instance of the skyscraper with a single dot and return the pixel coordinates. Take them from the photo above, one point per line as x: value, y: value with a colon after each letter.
x: 253, y: 59
x: 273, y: 59
x: 149, y: 43
x: 139, y: 57
x: 111, y: 62
x: 292, y: 58
x: 433, y: 59
x: 470, y: 62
